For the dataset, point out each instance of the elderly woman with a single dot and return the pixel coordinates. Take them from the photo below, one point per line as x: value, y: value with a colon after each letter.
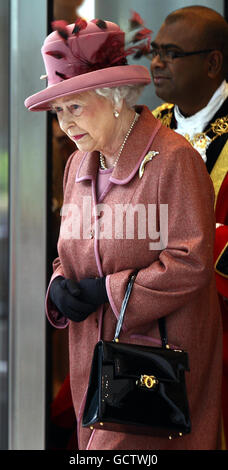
x: 126, y: 159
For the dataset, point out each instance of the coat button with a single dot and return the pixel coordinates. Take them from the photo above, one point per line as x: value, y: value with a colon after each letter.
x: 91, y: 234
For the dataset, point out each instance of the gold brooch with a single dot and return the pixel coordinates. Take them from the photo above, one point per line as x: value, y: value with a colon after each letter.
x: 146, y: 159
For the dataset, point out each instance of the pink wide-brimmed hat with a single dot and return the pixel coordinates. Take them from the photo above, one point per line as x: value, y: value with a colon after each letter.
x: 84, y: 56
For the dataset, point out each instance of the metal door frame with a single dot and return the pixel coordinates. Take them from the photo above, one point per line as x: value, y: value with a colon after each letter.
x: 27, y: 279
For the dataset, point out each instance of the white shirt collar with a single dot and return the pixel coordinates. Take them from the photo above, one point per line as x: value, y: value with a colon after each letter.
x: 195, y: 124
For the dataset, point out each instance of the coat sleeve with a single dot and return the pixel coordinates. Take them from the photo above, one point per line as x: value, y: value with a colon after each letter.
x: 221, y: 238
x: 54, y: 316
x: 221, y: 259
x: 185, y: 266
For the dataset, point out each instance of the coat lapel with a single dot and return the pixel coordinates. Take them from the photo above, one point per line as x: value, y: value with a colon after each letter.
x: 88, y: 166
x: 136, y: 147
x: 133, y: 153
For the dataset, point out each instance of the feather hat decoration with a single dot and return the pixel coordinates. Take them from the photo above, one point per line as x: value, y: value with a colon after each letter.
x: 84, y: 56
x: 112, y: 52
x: 142, y: 35
x: 61, y: 27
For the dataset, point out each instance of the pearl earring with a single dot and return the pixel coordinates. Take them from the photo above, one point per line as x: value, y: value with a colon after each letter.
x: 116, y: 114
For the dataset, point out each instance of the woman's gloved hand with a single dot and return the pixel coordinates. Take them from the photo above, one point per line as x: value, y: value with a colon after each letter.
x: 93, y: 291
x: 64, y: 293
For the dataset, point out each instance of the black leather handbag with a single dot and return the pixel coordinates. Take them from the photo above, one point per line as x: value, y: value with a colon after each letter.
x: 138, y: 389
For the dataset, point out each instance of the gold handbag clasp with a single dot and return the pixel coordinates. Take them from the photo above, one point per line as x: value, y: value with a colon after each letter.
x: 148, y: 381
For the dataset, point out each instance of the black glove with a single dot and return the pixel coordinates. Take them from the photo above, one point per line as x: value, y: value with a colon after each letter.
x: 64, y: 293
x: 93, y: 291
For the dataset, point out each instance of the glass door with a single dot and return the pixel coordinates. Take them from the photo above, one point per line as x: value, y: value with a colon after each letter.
x: 27, y: 234
x: 4, y: 222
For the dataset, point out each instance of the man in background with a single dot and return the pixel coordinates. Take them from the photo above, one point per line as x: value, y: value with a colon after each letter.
x: 189, y: 70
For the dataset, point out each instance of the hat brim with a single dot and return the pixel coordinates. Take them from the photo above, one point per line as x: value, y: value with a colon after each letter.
x: 109, y: 77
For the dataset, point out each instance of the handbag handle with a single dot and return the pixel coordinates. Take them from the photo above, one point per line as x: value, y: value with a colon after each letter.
x: 161, y: 321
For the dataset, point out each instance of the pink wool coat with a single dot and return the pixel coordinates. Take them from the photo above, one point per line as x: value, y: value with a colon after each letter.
x: 176, y: 281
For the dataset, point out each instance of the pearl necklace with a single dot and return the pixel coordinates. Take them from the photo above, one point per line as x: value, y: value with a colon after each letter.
x: 102, y: 158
